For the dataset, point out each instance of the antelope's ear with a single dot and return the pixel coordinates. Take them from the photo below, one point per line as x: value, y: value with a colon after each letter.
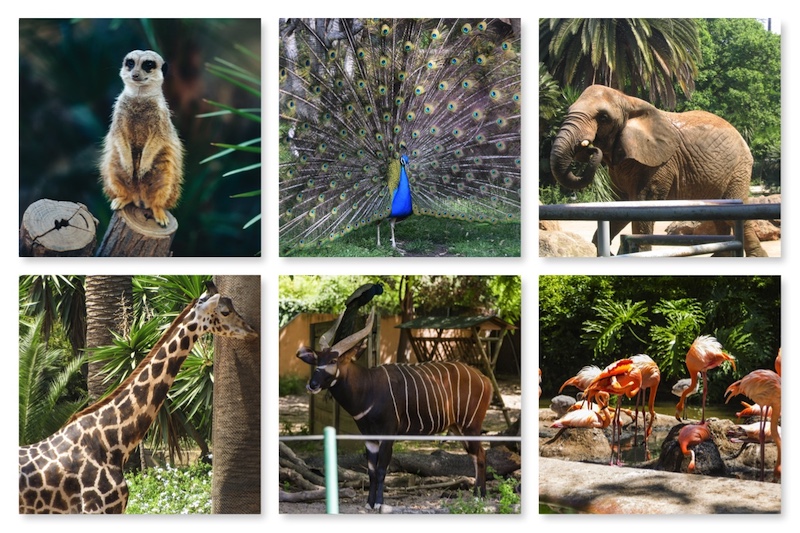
x: 307, y: 355
x: 356, y: 353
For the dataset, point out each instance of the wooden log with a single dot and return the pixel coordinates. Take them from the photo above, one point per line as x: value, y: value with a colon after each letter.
x: 51, y: 228
x: 311, y: 495
x: 133, y: 232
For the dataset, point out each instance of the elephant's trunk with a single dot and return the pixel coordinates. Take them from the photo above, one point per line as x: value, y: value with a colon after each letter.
x: 564, y: 152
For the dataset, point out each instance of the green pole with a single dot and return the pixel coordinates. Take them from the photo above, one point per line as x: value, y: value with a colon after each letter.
x: 331, y: 472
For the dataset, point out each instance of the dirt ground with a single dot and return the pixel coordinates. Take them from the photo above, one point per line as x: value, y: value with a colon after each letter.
x: 293, y: 419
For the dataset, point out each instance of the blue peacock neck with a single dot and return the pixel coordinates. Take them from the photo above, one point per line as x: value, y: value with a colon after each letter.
x: 401, y: 193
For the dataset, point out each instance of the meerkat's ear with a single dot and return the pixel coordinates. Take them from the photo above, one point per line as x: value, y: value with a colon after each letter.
x: 164, y: 68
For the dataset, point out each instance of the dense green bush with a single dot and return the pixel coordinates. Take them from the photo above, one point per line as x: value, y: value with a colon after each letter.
x: 170, y: 490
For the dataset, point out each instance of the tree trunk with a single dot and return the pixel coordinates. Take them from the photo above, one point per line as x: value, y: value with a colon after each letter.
x: 406, y: 314
x: 109, y: 308
x: 132, y: 232
x: 236, y: 433
x: 57, y: 229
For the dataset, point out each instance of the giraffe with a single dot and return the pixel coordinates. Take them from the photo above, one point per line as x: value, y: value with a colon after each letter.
x: 78, y: 469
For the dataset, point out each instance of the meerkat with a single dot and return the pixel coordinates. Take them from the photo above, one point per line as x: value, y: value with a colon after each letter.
x: 142, y: 161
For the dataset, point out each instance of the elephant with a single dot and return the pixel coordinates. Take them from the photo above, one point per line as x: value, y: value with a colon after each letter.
x: 653, y: 155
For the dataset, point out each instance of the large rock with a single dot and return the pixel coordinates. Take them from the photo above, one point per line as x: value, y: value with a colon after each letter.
x: 560, y: 404
x: 564, y: 244
x: 603, y: 489
x: 707, y: 457
x: 549, y: 225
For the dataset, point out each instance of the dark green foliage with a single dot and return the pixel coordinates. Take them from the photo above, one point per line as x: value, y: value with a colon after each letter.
x: 621, y: 316
x: 740, y: 80
x: 641, y: 57
x: 248, y: 79
x: 60, y: 300
x: 291, y: 385
x: 52, y: 328
x: 47, y: 376
x: 681, y: 324
x: 433, y: 295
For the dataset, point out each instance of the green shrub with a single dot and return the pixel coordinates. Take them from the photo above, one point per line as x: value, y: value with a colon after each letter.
x: 181, y: 490
x: 288, y: 385
x: 505, y: 495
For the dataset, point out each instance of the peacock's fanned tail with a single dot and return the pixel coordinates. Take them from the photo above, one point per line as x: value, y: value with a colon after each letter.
x: 355, y: 95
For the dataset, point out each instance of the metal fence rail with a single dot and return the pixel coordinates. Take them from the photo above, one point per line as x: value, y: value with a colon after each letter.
x: 657, y: 210
x: 330, y: 437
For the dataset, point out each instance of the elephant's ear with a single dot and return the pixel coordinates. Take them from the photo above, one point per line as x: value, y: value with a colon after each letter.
x: 649, y: 137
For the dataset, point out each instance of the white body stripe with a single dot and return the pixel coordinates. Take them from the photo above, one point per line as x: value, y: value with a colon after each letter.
x: 431, y: 397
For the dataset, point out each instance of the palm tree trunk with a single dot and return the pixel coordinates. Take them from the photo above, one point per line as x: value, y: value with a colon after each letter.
x: 109, y: 308
x: 236, y: 433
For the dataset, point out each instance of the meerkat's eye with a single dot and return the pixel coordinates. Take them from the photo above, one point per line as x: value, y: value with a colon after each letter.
x: 130, y: 63
x: 148, y: 65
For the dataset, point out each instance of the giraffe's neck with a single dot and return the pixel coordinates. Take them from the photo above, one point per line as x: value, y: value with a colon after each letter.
x: 124, y: 416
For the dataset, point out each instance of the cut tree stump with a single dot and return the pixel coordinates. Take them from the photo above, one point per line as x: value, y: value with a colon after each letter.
x: 133, y: 232
x: 51, y: 228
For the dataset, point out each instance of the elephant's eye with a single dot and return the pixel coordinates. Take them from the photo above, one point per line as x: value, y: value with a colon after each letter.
x: 602, y: 116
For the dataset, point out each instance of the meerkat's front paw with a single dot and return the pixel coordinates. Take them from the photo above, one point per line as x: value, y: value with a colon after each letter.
x: 160, y: 216
x: 119, y: 203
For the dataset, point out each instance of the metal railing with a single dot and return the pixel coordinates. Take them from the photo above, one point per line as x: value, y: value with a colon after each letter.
x: 658, y: 210
x: 329, y: 438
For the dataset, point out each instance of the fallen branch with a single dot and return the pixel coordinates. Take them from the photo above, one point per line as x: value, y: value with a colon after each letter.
x: 312, y: 495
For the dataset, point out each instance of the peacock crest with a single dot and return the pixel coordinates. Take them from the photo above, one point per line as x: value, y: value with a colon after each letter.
x: 383, y: 118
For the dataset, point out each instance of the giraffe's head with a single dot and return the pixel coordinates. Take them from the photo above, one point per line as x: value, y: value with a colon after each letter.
x: 216, y: 315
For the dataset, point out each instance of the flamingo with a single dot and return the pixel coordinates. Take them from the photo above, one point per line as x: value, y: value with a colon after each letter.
x: 753, y: 410
x: 745, y: 434
x: 651, y: 377
x: 692, y: 435
x: 584, y: 418
x: 594, y: 416
x: 750, y: 433
x: 621, y: 377
x: 763, y: 387
x: 704, y: 354
x: 601, y: 400
x: 778, y: 363
x: 683, y: 384
x: 583, y: 378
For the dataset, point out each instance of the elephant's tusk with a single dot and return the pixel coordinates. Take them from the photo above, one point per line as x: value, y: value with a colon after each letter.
x: 585, y: 143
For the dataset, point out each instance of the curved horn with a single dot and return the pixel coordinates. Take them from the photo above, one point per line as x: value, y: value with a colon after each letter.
x: 348, y: 342
x: 327, y: 337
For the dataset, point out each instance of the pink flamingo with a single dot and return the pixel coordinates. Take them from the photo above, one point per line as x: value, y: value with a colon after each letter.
x: 651, y: 377
x: 621, y: 377
x: 704, y: 354
x: 691, y: 435
x: 763, y: 387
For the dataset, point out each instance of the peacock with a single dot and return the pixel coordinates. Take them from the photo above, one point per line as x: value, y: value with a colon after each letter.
x: 388, y: 118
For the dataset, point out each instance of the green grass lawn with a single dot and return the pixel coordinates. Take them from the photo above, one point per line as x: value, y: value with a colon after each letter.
x: 424, y: 236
